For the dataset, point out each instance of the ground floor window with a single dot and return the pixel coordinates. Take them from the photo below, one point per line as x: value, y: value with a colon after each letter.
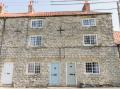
x: 92, y: 68
x: 33, y: 68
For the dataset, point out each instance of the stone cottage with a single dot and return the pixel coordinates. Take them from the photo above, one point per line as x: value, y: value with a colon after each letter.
x: 66, y: 48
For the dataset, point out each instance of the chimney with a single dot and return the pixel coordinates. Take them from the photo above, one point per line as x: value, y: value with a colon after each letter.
x: 86, y: 7
x: 30, y: 6
x: 1, y: 8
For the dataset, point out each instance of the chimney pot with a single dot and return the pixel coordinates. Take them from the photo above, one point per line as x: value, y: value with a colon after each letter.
x: 30, y: 7
x: 86, y: 7
x: 1, y: 8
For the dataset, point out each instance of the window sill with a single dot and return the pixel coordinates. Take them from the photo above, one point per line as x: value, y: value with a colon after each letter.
x: 35, y: 47
x: 94, y: 45
x: 93, y: 74
x: 36, y: 27
x: 88, y: 26
x: 32, y: 74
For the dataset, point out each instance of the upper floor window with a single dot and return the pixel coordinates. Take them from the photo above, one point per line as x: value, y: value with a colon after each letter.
x: 89, y: 22
x: 90, y: 39
x: 33, y: 68
x: 37, y: 23
x: 35, y: 41
x: 92, y: 68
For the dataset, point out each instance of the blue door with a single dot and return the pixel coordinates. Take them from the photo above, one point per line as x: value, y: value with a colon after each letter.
x: 71, y: 75
x: 55, y: 74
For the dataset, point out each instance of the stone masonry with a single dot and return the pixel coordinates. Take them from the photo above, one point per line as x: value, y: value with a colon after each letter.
x: 64, y: 48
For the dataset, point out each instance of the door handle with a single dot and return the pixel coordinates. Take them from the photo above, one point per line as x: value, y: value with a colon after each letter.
x: 72, y: 74
x: 8, y: 73
x: 54, y: 74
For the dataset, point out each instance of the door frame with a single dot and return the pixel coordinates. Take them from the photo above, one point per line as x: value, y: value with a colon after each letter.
x: 3, y: 69
x: 67, y: 73
x: 50, y: 74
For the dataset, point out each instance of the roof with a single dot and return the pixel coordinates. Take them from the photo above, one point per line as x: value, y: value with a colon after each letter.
x: 117, y: 37
x: 50, y: 14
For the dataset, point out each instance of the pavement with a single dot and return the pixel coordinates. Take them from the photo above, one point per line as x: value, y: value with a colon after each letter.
x: 60, y: 88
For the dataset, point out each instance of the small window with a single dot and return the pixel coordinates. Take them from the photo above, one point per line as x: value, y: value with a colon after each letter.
x: 92, y: 68
x: 33, y: 68
x: 37, y: 23
x: 89, y: 22
x: 90, y: 39
x: 35, y: 40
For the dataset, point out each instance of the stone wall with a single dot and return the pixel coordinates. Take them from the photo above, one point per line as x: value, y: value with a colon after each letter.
x: 65, y: 48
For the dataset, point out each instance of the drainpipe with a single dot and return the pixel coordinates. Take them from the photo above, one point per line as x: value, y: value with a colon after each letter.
x: 2, y: 36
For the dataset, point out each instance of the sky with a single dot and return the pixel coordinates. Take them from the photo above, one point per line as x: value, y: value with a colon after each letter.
x: 17, y: 6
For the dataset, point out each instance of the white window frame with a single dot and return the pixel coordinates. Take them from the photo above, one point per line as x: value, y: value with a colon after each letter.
x: 34, y: 68
x: 92, y: 70
x: 36, y: 20
x: 90, y: 35
x: 29, y: 42
x: 89, y: 24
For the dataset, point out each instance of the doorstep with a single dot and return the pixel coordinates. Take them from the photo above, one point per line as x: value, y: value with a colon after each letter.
x: 61, y: 88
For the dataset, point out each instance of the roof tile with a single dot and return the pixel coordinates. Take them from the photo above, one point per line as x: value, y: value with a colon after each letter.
x: 48, y: 14
x: 116, y: 37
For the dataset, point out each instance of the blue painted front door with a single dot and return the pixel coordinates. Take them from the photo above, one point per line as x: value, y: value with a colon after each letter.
x: 55, y: 74
x: 71, y: 75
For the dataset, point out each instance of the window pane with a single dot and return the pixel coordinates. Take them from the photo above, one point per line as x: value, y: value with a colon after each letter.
x: 93, y: 39
x: 87, y: 39
x: 89, y: 22
x: 92, y: 22
x: 37, y: 23
x: 88, y: 68
x: 31, y: 68
x: 86, y: 22
x: 36, y: 41
x: 37, y: 67
x: 95, y: 68
x: 33, y: 40
x: 90, y: 39
x: 33, y: 23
